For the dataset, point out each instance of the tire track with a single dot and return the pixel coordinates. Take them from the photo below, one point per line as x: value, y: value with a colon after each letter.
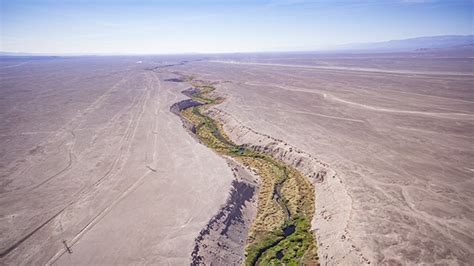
x: 131, y: 129
x: 123, y: 195
x: 98, y: 217
x: 61, y: 134
x: 342, y: 68
x: 333, y: 98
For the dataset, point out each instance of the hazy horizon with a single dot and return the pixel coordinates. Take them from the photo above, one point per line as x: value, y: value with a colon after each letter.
x: 338, y: 48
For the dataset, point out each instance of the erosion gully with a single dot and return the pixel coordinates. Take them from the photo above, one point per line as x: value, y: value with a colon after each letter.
x: 280, y: 233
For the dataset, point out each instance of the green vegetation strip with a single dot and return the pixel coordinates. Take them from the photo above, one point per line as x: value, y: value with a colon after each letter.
x: 281, y: 230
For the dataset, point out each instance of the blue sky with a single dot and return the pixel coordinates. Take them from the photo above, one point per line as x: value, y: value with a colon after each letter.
x: 183, y: 26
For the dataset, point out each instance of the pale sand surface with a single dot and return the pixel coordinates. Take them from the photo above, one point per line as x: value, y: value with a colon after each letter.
x: 401, y: 144
x: 123, y: 180
x: 91, y: 154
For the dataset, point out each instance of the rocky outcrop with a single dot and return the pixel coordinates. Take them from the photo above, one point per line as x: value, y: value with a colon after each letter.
x: 223, y: 240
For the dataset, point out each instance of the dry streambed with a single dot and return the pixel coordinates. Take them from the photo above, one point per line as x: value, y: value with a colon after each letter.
x: 280, y: 229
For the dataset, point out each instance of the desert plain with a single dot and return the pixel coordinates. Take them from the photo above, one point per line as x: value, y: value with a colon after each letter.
x: 96, y: 169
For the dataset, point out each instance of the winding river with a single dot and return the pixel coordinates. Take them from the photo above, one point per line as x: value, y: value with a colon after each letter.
x: 281, y: 230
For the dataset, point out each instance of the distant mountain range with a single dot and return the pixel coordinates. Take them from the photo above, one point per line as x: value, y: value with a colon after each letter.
x: 413, y: 44
x: 448, y: 43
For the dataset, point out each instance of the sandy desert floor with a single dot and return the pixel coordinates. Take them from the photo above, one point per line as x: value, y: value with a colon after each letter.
x: 91, y: 155
x: 398, y: 133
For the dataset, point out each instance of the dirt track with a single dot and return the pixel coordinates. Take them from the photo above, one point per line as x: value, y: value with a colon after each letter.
x: 400, y: 140
x: 108, y: 164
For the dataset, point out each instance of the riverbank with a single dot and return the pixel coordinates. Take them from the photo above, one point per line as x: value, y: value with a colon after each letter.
x: 281, y: 232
